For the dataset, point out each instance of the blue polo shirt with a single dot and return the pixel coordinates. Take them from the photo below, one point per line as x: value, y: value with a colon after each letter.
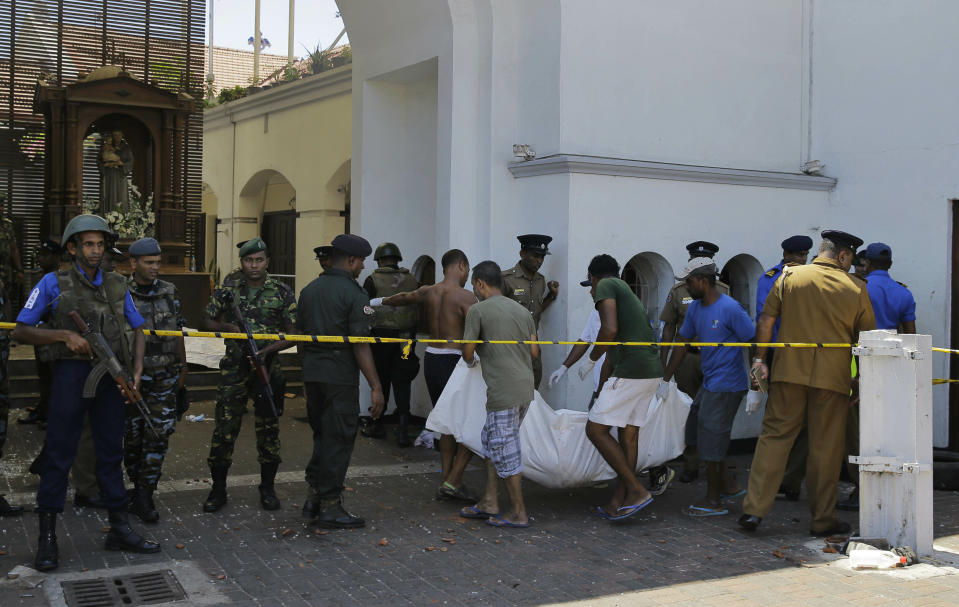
x: 44, y: 298
x: 763, y: 287
x: 724, y: 369
x: 892, y: 303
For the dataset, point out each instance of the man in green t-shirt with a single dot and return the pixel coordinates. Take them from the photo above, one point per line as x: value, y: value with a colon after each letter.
x: 508, y: 373
x: 629, y: 380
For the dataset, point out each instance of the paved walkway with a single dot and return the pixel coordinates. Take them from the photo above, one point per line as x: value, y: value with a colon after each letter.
x: 416, y: 550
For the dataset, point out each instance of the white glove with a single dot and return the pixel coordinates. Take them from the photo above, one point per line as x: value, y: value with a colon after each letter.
x: 472, y: 363
x: 663, y: 390
x: 586, y: 369
x: 557, y: 375
x: 376, y: 302
x: 754, y: 400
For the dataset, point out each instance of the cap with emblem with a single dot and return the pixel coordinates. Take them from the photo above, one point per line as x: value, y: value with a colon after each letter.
x: 536, y: 243
x: 353, y: 245
x: 702, y: 248
x: 240, y: 244
x: 254, y: 245
x: 878, y: 251
x: 843, y: 239
x: 699, y: 266
x: 145, y: 246
x: 324, y: 251
x: 48, y: 245
x: 797, y: 243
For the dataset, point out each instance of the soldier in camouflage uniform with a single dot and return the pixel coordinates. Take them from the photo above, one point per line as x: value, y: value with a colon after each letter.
x: 268, y: 306
x: 11, y: 275
x: 164, y: 372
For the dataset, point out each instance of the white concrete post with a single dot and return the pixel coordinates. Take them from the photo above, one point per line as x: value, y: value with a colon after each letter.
x: 895, y: 444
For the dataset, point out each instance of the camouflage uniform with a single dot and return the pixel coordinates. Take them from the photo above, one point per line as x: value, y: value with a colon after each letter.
x: 269, y: 309
x: 143, y: 455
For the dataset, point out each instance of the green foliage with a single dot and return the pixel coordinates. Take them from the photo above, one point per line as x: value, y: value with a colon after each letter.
x: 319, y: 59
x: 227, y: 95
x: 291, y: 73
x: 168, y: 75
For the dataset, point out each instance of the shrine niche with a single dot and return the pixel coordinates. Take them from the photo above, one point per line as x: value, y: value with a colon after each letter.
x: 114, y: 146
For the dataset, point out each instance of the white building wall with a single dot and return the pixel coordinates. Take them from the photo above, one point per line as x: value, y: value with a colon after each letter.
x: 884, y: 121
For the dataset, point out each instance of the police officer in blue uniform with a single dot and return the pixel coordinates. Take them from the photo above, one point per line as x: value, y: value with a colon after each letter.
x: 892, y: 302
x: 101, y: 297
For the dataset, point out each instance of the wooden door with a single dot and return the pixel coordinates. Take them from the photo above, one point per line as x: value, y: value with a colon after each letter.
x: 279, y: 233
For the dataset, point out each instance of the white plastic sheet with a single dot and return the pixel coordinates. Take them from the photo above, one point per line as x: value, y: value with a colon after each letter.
x: 556, y: 452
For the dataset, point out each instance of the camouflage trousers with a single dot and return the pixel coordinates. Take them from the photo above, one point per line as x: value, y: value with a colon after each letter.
x: 238, y: 384
x: 143, y: 453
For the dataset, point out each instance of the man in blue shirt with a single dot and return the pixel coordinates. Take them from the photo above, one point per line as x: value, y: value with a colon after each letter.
x: 714, y: 317
x: 892, y: 302
x: 102, y: 299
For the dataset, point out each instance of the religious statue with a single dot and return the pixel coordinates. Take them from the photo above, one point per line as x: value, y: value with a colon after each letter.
x: 116, y: 163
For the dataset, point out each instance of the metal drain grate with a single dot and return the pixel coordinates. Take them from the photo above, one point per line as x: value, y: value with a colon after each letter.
x: 139, y: 589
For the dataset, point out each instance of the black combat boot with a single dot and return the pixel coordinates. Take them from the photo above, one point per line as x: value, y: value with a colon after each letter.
x: 122, y: 537
x: 311, y: 506
x: 334, y: 516
x: 48, y: 555
x: 403, y: 430
x: 217, y: 497
x: 267, y: 494
x: 7, y: 509
x: 141, y: 504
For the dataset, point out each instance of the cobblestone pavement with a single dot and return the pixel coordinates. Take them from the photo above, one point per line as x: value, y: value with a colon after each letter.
x: 416, y: 550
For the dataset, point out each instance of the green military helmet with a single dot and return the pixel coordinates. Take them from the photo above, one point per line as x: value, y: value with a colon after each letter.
x: 387, y: 249
x: 86, y: 223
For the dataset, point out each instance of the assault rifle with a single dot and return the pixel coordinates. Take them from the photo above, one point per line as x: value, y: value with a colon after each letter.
x: 107, y: 362
x: 252, y: 355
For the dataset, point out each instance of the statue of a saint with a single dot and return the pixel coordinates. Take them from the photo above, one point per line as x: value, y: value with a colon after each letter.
x: 116, y: 163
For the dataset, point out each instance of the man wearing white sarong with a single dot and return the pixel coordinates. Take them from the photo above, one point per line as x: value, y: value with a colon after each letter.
x: 631, y: 377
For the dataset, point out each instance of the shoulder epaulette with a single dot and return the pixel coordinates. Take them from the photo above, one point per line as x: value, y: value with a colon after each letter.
x: 771, y: 273
x: 903, y: 284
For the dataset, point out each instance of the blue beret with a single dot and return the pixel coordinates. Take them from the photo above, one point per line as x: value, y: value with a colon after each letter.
x: 254, y: 245
x: 353, y: 245
x: 843, y: 239
x: 702, y: 248
x: 537, y: 243
x: 878, y: 250
x: 145, y: 246
x: 797, y: 243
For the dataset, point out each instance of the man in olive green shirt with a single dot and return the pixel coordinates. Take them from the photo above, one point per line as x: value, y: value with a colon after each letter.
x: 335, y: 304
x: 630, y: 380
x: 508, y: 373
x: 524, y: 284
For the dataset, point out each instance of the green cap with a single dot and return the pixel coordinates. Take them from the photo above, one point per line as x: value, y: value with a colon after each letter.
x: 254, y: 245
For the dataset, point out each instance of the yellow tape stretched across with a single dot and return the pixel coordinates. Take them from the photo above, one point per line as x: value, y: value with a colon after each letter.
x: 338, y: 339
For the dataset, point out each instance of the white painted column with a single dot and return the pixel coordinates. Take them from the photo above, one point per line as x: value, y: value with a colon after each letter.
x: 895, y: 428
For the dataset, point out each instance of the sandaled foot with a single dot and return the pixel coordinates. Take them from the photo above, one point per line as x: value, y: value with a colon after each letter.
x: 452, y: 492
x: 704, y: 510
x: 474, y: 512
x: 499, y: 521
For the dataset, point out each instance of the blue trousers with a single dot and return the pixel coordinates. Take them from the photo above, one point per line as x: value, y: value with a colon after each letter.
x: 64, y: 423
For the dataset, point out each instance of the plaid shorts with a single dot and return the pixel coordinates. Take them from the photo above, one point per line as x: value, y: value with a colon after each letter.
x: 501, y: 440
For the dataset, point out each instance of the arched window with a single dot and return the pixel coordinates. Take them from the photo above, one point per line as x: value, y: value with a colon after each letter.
x: 741, y: 273
x: 424, y: 270
x: 650, y: 276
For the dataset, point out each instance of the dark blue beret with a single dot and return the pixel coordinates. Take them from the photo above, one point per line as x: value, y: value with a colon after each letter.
x: 797, y: 243
x: 353, y: 245
x: 145, y: 246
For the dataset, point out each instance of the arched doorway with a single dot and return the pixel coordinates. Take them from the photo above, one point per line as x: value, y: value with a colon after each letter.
x: 741, y: 273
x: 424, y: 270
x: 270, y: 200
x: 650, y: 276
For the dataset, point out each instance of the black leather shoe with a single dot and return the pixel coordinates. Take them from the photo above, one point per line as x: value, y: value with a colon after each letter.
x: 217, y: 497
x: 311, y: 508
x: 48, y: 554
x: 335, y: 517
x: 749, y: 522
x: 8, y: 510
x: 122, y: 537
x: 838, y: 528
x: 84, y: 501
x: 373, y: 429
x: 142, y: 506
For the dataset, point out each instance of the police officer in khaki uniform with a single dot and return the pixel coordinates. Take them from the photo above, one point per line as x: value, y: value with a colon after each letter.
x: 393, y: 321
x: 689, y: 374
x: 523, y: 283
x: 817, y: 303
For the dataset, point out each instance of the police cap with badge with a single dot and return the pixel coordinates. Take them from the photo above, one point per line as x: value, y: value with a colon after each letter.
x: 702, y: 248
x: 323, y: 251
x: 797, y: 244
x: 843, y: 239
x: 535, y: 243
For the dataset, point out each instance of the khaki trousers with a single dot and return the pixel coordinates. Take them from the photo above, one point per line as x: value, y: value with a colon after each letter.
x: 824, y: 413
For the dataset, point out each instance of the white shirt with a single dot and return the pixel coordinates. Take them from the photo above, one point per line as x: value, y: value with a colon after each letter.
x: 590, y: 333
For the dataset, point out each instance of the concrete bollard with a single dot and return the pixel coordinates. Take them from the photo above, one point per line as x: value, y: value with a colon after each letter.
x: 895, y: 438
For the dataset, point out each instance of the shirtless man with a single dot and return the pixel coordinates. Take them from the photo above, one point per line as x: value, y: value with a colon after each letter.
x: 446, y: 304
